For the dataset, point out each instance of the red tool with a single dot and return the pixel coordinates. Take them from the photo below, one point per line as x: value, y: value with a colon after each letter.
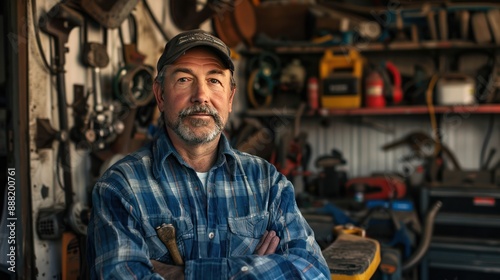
x: 377, y: 187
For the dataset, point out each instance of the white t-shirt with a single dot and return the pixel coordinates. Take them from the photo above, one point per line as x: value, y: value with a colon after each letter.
x: 203, y: 178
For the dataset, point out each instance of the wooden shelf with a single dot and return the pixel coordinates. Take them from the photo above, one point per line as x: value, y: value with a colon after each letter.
x: 396, y: 110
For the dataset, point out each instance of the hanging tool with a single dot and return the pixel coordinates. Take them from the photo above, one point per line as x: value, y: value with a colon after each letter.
x: 262, y: 80
x: 417, y: 142
x: 62, y: 21
x: 101, y: 125
x: 133, y: 86
x: 109, y: 14
x: 166, y: 233
x: 46, y: 134
x: 186, y: 14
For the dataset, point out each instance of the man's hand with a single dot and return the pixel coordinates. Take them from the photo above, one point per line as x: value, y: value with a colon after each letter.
x: 168, y: 271
x: 267, y: 244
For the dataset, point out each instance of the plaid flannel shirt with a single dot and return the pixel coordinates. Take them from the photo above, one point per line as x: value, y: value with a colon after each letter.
x: 217, y: 228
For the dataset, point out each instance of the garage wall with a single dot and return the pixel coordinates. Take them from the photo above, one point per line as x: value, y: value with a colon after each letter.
x: 361, y: 143
x: 45, y: 171
x: 357, y: 138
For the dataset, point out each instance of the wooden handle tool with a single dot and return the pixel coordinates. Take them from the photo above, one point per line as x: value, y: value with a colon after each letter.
x: 166, y: 232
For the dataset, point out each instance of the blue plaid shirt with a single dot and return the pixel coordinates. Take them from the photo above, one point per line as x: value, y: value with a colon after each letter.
x: 217, y: 228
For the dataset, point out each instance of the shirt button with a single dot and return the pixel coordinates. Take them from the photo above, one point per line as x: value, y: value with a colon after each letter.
x: 244, y: 268
x: 211, y: 235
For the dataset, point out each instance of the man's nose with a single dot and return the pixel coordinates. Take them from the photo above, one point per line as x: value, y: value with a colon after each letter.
x: 200, y: 93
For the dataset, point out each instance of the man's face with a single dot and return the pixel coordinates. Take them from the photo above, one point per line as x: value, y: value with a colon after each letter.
x: 196, y: 97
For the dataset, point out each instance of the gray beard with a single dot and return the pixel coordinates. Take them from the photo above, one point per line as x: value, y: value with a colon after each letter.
x: 188, y: 135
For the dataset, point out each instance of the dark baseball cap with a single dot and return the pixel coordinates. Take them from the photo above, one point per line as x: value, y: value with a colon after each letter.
x: 184, y: 41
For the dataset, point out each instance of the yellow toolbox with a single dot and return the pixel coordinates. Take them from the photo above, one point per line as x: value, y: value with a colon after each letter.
x: 341, y: 76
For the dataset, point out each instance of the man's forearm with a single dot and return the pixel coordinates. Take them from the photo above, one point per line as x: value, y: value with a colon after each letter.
x: 168, y: 271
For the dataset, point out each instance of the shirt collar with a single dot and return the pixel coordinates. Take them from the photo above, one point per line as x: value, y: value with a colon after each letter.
x: 162, y: 148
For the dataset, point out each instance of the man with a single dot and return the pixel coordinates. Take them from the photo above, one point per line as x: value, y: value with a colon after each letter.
x: 235, y: 216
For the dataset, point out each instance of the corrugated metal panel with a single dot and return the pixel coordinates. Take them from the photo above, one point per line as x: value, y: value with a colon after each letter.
x: 361, y: 144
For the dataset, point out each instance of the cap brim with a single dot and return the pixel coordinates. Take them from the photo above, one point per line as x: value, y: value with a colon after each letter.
x: 222, y: 55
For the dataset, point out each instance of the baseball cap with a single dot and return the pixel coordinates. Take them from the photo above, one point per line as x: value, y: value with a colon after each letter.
x: 190, y: 39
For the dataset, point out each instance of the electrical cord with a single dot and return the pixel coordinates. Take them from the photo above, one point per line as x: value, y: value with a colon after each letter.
x: 133, y: 31
x: 34, y: 16
x: 432, y: 113
x: 252, y: 81
x: 133, y: 34
x: 486, y: 141
x: 58, y: 162
x: 122, y: 41
x: 155, y: 21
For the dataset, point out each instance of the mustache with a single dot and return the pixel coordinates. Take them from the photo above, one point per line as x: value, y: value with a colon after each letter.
x: 196, y: 109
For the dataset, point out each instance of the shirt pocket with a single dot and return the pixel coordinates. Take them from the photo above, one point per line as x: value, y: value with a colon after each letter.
x: 184, y: 234
x: 246, y: 232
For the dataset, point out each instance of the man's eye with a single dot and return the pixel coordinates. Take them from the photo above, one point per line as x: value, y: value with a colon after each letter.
x: 214, y: 81
x: 183, y: 80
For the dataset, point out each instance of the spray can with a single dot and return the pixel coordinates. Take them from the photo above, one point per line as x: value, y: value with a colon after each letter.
x: 374, y: 89
x: 312, y: 93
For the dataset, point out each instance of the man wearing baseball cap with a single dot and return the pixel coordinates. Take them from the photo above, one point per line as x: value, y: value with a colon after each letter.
x: 234, y: 214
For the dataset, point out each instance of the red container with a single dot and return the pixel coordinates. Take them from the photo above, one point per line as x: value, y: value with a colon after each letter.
x: 374, y: 90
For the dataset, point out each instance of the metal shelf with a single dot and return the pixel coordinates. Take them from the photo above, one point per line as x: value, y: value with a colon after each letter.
x: 397, y: 110
x: 410, y: 110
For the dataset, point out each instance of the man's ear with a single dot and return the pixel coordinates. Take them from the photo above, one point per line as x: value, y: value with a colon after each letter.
x: 158, y: 91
